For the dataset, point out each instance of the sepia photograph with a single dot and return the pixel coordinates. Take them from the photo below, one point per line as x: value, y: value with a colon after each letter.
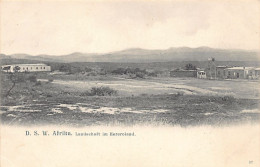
x: 130, y: 83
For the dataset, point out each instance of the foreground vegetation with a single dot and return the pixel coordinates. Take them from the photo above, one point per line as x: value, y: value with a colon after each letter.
x: 34, y: 102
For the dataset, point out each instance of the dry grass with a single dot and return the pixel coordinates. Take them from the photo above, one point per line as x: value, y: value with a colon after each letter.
x: 38, y: 103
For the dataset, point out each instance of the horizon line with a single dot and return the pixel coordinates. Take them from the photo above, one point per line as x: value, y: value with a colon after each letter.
x: 20, y: 53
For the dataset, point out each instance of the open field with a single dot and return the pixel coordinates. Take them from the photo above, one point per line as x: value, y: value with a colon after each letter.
x: 188, y: 86
x: 153, y: 101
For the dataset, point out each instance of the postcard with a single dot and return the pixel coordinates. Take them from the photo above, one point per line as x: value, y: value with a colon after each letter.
x: 160, y: 83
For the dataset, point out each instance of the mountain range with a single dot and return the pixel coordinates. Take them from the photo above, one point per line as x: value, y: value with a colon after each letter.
x: 138, y: 55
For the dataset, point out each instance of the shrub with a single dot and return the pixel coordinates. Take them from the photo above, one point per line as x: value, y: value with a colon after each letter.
x: 119, y: 71
x: 190, y: 67
x: 152, y: 74
x: 92, y: 74
x: 179, y: 94
x: 140, y: 75
x: 88, y: 69
x: 38, y: 83
x: 228, y: 98
x: 20, y: 78
x: 75, y: 70
x: 50, y: 80
x: 32, y: 78
x: 103, y: 72
x: 87, y: 93
x: 100, y: 91
x: 65, y: 68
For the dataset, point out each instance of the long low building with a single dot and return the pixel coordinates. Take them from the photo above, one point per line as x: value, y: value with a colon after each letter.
x: 240, y: 72
x: 225, y: 72
x: 26, y: 68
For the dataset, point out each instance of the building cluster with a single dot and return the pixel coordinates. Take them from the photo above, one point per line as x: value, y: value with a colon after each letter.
x: 225, y: 72
x: 219, y: 72
x: 211, y: 72
x: 26, y: 68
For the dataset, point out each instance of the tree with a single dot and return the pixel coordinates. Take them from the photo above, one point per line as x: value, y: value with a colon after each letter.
x: 119, y: 71
x: 190, y: 67
x: 65, y: 68
x: 88, y: 69
x: 15, y: 77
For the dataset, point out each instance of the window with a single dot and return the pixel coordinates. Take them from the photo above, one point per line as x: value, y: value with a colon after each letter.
x: 218, y: 72
x: 43, y: 67
x: 237, y: 75
x: 37, y: 68
x: 31, y: 68
x: 229, y: 73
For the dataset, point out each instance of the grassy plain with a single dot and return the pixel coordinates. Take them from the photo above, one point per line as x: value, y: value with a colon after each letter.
x: 150, y: 101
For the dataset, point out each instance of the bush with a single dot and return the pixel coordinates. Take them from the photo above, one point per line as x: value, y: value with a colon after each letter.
x: 65, y: 68
x: 179, y: 94
x: 228, y: 98
x: 92, y: 74
x: 152, y: 74
x: 88, y: 69
x: 140, y: 75
x: 32, y: 78
x: 50, y: 80
x: 20, y: 78
x: 119, y: 71
x: 100, y: 91
x: 38, y: 83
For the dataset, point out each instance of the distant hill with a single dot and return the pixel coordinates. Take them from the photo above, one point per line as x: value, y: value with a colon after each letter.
x: 3, y: 56
x: 138, y: 55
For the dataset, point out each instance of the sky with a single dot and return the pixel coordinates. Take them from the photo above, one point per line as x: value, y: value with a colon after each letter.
x: 64, y: 27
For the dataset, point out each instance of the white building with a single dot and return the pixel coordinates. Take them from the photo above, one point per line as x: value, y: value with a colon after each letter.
x: 27, y: 68
x: 201, y: 74
x: 240, y: 72
x: 257, y: 73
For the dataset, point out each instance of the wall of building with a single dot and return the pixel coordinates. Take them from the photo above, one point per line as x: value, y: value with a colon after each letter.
x: 235, y: 74
x: 257, y: 74
x: 201, y: 75
x: 241, y: 74
x: 32, y: 68
x: 28, y: 68
x: 250, y: 74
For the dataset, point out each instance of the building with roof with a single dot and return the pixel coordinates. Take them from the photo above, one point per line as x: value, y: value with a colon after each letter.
x: 201, y: 74
x: 240, y: 73
x: 257, y: 73
x: 26, y: 68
